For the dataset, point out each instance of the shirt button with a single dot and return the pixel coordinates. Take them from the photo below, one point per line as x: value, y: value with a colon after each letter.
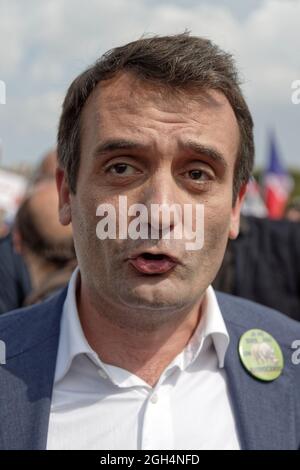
x: 154, y: 398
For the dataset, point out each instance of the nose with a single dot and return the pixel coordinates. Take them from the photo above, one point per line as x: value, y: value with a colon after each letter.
x: 162, y: 199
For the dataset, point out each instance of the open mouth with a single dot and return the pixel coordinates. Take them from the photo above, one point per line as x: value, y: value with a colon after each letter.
x: 150, y: 263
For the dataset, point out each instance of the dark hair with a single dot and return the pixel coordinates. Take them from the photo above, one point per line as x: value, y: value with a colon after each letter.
x: 58, y: 252
x: 178, y: 62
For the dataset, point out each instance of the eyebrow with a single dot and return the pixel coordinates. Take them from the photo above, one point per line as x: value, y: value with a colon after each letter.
x: 207, y: 151
x: 113, y: 145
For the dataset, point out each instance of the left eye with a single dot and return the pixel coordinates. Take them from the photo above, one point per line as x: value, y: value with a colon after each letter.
x: 121, y: 169
x: 197, y: 175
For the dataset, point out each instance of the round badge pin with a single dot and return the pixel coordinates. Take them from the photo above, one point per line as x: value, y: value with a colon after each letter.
x: 261, y: 355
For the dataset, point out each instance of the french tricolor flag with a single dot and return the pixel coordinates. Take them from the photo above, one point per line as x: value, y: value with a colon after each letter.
x: 277, y: 182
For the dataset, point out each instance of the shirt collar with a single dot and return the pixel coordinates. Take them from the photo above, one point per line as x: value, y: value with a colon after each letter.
x: 212, y: 326
x: 73, y: 342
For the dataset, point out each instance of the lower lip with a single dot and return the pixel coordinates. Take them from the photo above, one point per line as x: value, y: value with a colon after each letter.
x: 148, y: 266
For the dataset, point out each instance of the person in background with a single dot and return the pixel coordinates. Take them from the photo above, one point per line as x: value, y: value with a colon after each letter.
x: 263, y: 264
x: 15, y: 279
x: 3, y: 225
x: 15, y: 283
x: 46, y: 169
x: 46, y: 246
x: 292, y: 212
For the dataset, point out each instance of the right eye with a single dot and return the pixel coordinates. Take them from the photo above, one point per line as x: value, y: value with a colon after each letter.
x: 121, y: 169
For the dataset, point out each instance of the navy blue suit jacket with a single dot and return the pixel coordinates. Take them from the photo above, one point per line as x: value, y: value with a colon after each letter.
x: 267, y: 413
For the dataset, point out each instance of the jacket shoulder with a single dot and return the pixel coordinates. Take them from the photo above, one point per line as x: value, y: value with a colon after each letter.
x: 24, y: 328
x: 248, y: 314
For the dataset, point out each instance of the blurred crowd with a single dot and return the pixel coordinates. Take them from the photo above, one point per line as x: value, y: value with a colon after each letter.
x: 37, y: 254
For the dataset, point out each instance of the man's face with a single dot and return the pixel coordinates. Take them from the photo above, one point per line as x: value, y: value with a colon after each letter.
x: 153, y: 147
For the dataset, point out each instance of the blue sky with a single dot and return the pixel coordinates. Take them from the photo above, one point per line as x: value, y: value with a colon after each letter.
x: 45, y: 44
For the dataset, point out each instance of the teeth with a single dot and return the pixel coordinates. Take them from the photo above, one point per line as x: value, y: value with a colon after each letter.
x: 152, y: 256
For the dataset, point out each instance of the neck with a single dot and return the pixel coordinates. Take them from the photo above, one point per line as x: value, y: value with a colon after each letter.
x: 143, y: 352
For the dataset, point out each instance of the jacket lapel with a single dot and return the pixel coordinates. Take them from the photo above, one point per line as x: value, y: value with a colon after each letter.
x: 264, y: 411
x: 26, y: 381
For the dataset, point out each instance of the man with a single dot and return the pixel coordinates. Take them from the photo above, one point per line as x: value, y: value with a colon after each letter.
x: 139, y: 352
x: 263, y: 264
x: 46, y: 246
x: 15, y: 279
x: 46, y: 169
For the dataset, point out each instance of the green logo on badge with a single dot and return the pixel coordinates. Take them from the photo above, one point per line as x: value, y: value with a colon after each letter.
x: 261, y: 355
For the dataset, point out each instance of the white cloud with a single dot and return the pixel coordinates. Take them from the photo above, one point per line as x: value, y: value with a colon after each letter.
x: 11, y: 33
x: 48, y: 43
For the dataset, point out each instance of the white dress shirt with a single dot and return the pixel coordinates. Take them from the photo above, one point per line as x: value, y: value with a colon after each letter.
x: 100, y: 406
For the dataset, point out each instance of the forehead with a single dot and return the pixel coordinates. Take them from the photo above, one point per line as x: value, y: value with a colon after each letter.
x: 125, y: 104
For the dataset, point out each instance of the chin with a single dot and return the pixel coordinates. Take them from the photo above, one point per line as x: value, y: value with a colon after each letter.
x: 153, y: 299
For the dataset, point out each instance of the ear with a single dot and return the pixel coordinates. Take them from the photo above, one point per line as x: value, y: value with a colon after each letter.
x: 64, y: 206
x: 236, y: 213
